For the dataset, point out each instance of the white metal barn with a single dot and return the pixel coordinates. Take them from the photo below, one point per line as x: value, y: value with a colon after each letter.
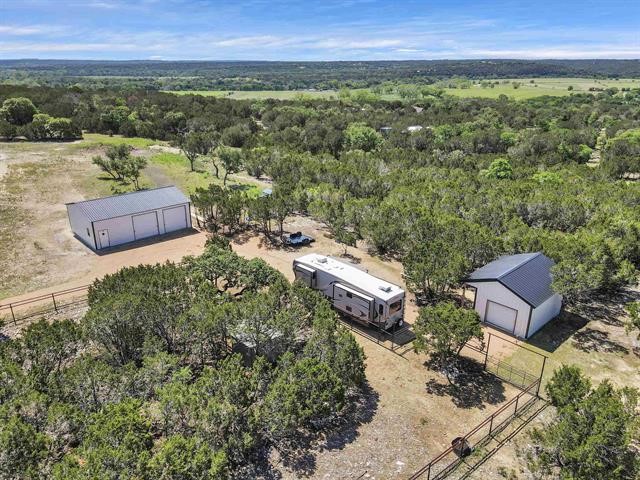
x: 354, y: 292
x: 514, y: 294
x: 106, y: 222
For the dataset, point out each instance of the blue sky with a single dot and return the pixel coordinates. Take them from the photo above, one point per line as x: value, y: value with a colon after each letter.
x: 318, y: 30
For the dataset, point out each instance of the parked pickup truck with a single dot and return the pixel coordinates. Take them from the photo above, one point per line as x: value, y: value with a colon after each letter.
x: 297, y: 239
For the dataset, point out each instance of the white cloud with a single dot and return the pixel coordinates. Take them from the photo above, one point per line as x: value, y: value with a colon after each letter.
x: 18, y: 30
x: 43, y: 47
x: 581, y: 52
x: 255, y: 41
x: 350, y: 43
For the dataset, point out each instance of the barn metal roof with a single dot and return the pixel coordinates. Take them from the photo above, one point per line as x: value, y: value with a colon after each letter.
x: 528, y: 275
x: 131, y: 203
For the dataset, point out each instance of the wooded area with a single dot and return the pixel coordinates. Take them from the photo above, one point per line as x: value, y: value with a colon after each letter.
x: 480, y: 178
x: 145, y: 385
x: 176, y: 371
x: 246, y: 75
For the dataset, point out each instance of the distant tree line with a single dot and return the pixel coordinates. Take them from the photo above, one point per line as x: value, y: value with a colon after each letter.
x: 210, y: 75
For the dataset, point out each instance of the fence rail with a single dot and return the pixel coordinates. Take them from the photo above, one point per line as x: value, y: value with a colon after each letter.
x: 400, y: 338
x: 509, y: 373
x: 41, y: 304
x: 443, y: 464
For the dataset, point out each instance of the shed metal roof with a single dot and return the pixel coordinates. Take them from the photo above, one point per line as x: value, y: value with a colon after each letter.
x: 528, y: 275
x: 131, y: 203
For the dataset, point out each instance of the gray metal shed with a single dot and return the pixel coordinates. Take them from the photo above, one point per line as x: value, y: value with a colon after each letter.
x: 106, y: 222
x: 514, y: 294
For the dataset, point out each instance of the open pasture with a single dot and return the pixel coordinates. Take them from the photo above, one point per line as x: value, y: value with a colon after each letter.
x: 536, y: 87
x: 527, y: 88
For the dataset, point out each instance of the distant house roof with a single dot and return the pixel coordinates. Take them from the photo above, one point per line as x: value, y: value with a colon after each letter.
x: 528, y: 275
x: 131, y: 203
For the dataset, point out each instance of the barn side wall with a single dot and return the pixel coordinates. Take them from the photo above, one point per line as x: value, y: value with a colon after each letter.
x: 544, y: 313
x: 80, y: 225
x: 121, y: 228
x: 497, y: 292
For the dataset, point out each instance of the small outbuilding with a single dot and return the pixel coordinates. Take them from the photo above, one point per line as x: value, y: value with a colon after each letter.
x: 106, y: 222
x: 514, y: 294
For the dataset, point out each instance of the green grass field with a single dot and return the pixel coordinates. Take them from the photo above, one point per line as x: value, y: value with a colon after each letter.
x: 90, y: 140
x: 261, y: 94
x: 541, y: 86
x: 528, y: 88
x: 175, y: 167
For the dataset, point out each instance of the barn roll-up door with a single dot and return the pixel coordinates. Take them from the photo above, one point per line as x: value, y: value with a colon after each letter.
x: 175, y: 218
x: 145, y: 225
x: 501, y: 316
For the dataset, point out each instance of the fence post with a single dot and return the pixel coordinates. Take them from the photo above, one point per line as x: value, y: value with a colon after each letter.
x: 515, y: 412
x: 486, y: 354
x: 13, y: 315
x: 491, y: 425
x: 544, y: 363
x: 55, y: 306
x: 393, y: 338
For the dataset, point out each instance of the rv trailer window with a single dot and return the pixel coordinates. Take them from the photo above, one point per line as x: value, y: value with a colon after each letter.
x: 395, y: 307
x: 380, y: 310
x: 349, y: 295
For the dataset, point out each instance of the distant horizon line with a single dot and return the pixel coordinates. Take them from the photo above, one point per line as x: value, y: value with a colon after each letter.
x: 159, y: 60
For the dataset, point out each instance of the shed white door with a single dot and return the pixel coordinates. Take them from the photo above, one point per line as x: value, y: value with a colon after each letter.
x: 175, y: 218
x: 145, y: 225
x: 103, y: 239
x: 501, y: 316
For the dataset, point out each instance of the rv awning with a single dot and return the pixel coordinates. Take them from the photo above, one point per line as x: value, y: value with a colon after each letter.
x: 354, y: 292
x: 304, y: 268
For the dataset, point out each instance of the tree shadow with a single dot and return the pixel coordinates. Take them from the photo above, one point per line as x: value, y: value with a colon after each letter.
x: 591, y: 340
x: 241, y: 187
x: 259, y: 467
x: 299, y: 454
x: 558, y: 331
x: 351, y: 258
x: 470, y: 386
x: 607, y: 308
x: 242, y: 236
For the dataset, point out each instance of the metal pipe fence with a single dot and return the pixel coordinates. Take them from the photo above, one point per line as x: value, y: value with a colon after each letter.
x: 399, y: 338
x: 508, y: 373
x: 448, y: 460
x: 21, y: 310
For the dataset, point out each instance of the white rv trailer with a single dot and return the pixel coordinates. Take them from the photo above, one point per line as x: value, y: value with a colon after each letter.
x: 356, y: 293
